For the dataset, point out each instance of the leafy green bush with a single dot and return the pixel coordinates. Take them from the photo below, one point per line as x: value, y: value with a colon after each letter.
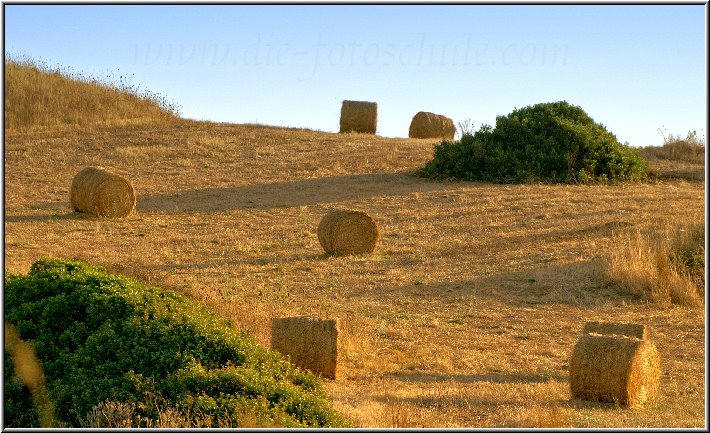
x: 549, y: 142
x: 18, y: 405
x: 103, y: 338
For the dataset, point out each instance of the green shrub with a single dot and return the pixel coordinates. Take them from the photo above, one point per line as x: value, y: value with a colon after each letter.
x: 103, y: 338
x: 549, y: 142
x: 18, y: 405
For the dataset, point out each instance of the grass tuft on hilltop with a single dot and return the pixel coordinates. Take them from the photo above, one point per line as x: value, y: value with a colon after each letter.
x: 38, y: 96
x: 107, y: 341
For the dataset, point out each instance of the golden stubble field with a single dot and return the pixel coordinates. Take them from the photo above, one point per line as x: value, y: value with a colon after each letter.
x: 465, y: 315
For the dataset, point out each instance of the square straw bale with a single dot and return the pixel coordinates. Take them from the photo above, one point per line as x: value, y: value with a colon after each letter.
x: 310, y: 343
x: 635, y: 330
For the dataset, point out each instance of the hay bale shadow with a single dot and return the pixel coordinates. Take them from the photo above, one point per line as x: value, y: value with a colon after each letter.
x: 72, y: 215
x: 324, y: 190
x: 427, y: 377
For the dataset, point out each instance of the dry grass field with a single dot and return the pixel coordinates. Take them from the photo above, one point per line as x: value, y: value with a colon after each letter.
x: 465, y: 315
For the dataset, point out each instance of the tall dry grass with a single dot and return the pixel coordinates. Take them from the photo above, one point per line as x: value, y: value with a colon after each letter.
x: 676, y: 148
x: 664, y: 264
x: 38, y: 96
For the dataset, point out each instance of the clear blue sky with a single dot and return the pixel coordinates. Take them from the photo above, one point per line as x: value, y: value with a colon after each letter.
x: 633, y: 68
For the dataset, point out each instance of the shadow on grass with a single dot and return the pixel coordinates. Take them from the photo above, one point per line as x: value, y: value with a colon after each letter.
x: 575, y: 403
x: 53, y: 217
x: 426, y: 377
x: 303, y: 192
x: 578, y: 284
x: 430, y: 402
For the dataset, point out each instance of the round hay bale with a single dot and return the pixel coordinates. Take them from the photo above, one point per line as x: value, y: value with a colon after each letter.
x: 430, y: 125
x: 358, y: 116
x: 99, y: 192
x: 615, y: 369
x: 343, y: 232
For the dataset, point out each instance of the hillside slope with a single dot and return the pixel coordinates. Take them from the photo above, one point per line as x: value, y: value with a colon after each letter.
x: 39, y: 97
x: 464, y: 316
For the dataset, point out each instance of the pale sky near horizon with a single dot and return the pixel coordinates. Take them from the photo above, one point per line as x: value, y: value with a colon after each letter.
x: 634, y: 68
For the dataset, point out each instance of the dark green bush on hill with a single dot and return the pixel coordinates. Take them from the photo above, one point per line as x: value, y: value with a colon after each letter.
x: 550, y: 142
x: 103, y: 337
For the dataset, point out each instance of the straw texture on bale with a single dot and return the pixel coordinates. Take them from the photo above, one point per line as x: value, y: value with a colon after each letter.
x: 309, y: 342
x: 614, y: 369
x: 99, y: 192
x: 430, y: 125
x: 358, y: 116
x: 342, y: 232
x: 625, y: 329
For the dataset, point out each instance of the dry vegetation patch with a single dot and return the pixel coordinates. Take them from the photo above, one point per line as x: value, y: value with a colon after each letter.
x: 678, y: 157
x: 664, y: 263
x: 41, y: 98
